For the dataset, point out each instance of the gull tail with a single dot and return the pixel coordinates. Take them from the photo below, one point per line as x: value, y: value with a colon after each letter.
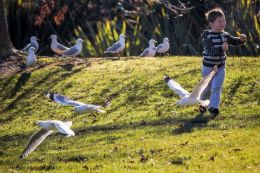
x: 100, y: 111
x: 167, y: 78
x: 50, y: 96
x: 21, y: 157
x: 107, y: 102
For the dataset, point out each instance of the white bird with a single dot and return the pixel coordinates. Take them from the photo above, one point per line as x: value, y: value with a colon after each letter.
x: 150, y: 51
x: 31, y: 58
x: 33, y: 43
x: 192, y: 98
x: 74, y: 50
x: 79, y: 107
x: 163, y: 47
x: 117, y: 47
x: 57, y: 47
x: 47, y: 128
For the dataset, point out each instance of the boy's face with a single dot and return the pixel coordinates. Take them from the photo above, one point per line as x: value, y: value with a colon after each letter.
x: 219, y: 24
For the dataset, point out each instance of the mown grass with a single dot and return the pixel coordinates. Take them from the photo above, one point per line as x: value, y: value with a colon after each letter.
x: 142, y: 131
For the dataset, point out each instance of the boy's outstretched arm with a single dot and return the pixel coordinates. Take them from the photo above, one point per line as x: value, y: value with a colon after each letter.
x: 236, y: 40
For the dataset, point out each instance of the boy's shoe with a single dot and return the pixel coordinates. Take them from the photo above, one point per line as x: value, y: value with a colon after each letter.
x: 214, y: 111
x: 202, y: 109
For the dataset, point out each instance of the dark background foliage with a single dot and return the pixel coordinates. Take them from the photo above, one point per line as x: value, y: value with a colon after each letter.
x: 99, y: 22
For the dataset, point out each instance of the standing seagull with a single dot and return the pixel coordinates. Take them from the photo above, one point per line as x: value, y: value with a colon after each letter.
x: 150, y: 51
x: 31, y: 58
x: 33, y: 43
x: 47, y: 128
x: 74, y: 50
x: 57, y: 47
x: 192, y: 98
x: 79, y: 107
x: 163, y: 47
x: 117, y: 47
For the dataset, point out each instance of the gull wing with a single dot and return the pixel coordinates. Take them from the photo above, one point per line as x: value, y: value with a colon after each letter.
x: 68, y: 123
x: 64, y: 129
x: 201, y: 86
x: 176, y: 87
x: 35, y: 140
x: 160, y: 46
x: 70, y: 51
x: 89, y: 107
x: 61, y: 47
x: 145, y: 52
x: 66, y: 101
x: 114, y: 47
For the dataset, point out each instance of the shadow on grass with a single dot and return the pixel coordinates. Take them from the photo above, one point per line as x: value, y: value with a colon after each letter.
x: 188, y: 125
x: 19, y: 84
x: 27, y: 92
x: 131, y: 125
x: 235, y: 86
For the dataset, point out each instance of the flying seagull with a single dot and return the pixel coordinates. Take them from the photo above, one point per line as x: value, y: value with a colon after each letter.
x: 33, y: 43
x: 192, y: 98
x: 150, y: 51
x: 79, y: 107
x: 31, y: 58
x: 74, y: 50
x: 118, y: 46
x: 163, y: 47
x: 57, y: 47
x: 47, y: 128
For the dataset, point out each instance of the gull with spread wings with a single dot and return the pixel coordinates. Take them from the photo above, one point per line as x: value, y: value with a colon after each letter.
x: 192, y: 98
x: 79, y: 107
x: 47, y: 128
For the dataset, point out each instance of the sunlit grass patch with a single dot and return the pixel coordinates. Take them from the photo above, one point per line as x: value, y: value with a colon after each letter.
x: 142, y: 130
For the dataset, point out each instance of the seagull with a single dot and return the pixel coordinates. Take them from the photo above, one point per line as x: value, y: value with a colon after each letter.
x: 150, y: 51
x: 192, y: 98
x: 33, y: 43
x: 163, y: 47
x: 47, y: 128
x: 74, y: 50
x: 79, y: 107
x: 118, y: 46
x: 57, y: 47
x: 31, y: 58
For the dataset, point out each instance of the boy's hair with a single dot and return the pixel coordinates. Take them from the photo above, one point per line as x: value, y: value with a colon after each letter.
x: 212, y: 15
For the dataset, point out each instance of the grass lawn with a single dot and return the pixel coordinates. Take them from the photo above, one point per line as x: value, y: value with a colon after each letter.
x: 142, y: 130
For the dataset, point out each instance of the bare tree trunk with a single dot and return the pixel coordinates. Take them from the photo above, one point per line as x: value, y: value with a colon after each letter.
x: 5, y: 42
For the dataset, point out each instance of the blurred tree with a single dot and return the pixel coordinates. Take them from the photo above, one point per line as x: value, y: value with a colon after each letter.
x: 6, y: 47
x: 100, y: 22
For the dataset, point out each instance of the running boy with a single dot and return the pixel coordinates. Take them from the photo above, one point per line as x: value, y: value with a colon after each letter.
x: 215, y: 43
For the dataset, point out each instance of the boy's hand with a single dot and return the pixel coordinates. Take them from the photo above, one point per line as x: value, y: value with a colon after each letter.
x: 242, y: 37
x: 225, y: 46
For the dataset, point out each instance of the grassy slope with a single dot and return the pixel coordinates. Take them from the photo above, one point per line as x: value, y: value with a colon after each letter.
x: 142, y: 130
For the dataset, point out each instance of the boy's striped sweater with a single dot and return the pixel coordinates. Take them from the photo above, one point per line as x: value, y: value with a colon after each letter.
x: 213, y: 53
